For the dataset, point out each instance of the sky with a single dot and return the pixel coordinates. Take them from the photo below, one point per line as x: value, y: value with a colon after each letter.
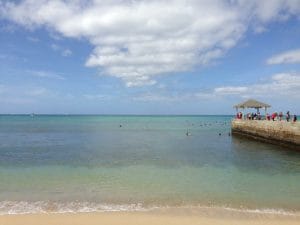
x: 148, y: 57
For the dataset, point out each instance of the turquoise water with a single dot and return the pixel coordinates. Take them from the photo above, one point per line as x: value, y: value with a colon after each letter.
x: 95, y: 163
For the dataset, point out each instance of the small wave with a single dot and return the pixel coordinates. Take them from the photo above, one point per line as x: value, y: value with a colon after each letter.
x: 254, y: 211
x: 24, y: 207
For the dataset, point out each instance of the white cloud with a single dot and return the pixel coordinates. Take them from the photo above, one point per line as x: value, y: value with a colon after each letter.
x: 173, y: 97
x: 260, y: 29
x: 37, y: 92
x: 292, y: 56
x: 155, y: 97
x: 63, y: 51
x: 46, y: 74
x: 16, y: 100
x: 66, y: 52
x: 137, y: 41
x: 278, y: 86
x: 231, y: 90
x: 22, y: 94
x: 55, y: 47
x: 33, y: 39
x: 282, y: 84
x: 98, y: 97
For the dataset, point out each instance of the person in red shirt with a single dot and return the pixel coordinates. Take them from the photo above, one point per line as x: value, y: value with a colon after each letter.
x: 274, y: 115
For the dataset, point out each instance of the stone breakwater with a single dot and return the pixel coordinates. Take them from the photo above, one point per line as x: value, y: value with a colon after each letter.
x: 279, y: 132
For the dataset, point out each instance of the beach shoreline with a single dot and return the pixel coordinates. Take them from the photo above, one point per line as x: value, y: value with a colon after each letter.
x: 89, y: 169
x: 154, y: 217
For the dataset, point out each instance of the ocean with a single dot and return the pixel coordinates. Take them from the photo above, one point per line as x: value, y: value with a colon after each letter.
x: 88, y: 163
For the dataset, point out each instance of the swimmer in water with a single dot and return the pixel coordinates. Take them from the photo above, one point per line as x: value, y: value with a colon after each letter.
x: 188, y: 133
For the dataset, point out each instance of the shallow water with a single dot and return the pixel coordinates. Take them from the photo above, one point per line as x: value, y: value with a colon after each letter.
x: 61, y: 163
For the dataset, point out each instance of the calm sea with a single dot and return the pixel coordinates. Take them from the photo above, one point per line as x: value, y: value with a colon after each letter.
x: 105, y: 163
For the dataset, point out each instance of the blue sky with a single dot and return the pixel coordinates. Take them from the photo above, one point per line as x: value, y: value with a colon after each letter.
x: 148, y: 57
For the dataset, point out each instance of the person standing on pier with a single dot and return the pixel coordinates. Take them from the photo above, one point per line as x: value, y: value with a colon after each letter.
x: 295, y: 118
x: 274, y: 116
x: 280, y: 116
x: 288, y: 116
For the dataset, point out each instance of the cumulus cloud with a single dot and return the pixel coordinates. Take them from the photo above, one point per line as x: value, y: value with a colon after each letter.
x: 277, y: 86
x: 282, y: 84
x: 292, y: 56
x: 137, y: 41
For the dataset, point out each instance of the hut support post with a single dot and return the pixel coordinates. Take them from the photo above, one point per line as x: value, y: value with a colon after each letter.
x: 251, y: 103
x: 244, y: 114
x: 265, y: 113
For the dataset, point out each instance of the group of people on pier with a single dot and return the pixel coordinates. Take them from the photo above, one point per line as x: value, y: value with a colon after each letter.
x: 274, y: 116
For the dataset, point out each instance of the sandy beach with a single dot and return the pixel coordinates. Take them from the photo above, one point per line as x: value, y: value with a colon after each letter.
x: 154, y: 218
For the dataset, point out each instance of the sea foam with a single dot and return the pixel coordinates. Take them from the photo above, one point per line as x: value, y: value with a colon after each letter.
x: 24, y: 207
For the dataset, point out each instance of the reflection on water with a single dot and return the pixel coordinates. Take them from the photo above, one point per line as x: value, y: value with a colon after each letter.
x: 264, y: 157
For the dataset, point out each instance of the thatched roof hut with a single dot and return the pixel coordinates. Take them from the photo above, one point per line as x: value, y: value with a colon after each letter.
x: 251, y: 103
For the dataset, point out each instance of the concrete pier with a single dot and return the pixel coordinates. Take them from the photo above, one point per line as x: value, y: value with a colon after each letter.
x: 279, y: 132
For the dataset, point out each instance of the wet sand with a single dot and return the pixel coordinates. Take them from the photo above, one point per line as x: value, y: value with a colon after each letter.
x: 186, y: 217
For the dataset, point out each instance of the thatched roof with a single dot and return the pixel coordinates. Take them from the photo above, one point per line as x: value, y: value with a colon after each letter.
x: 251, y: 103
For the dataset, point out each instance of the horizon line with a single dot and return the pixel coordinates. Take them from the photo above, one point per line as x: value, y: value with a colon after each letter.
x: 106, y: 114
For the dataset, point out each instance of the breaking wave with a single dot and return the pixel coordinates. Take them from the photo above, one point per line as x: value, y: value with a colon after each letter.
x: 24, y: 207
